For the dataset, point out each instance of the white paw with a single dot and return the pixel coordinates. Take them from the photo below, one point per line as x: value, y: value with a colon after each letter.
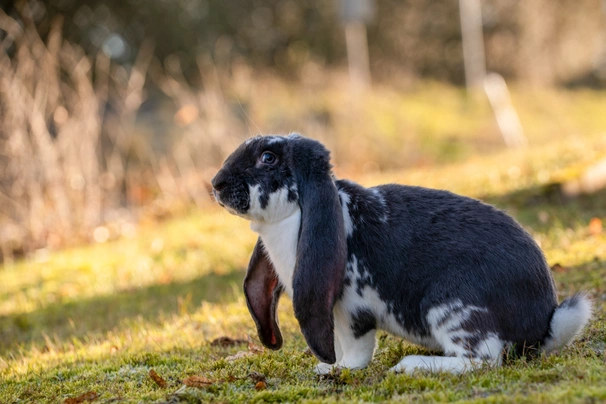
x: 416, y: 363
x: 410, y: 364
x: 323, y: 368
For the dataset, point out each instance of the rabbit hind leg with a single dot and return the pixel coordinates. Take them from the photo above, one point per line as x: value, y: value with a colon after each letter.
x: 467, y: 337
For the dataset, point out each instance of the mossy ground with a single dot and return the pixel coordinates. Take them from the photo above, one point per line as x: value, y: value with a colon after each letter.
x: 99, y: 318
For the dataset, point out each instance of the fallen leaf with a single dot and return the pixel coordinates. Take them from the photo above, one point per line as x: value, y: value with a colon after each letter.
x: 257, y: 377
x: 238, y: 355
x: 197, y: 381
x: 261, y: 385
x: 559, y: 268
x: 88, y: 396
x: 157, y: 378
x: 225, y: 342
x: 595, y: 226
x: 254, y: 348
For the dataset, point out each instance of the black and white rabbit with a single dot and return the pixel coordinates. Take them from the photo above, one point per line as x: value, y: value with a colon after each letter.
x: 443, y: 271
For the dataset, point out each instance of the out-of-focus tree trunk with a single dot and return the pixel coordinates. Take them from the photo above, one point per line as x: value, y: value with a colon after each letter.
x: 470, y: 12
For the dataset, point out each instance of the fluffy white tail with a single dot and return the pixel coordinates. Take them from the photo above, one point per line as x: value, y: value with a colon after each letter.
x: 568, y: 320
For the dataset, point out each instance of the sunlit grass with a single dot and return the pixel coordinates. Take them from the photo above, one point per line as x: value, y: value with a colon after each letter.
x: 100, y: 317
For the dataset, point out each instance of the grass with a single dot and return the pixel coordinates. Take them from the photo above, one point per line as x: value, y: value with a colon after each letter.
x: 97, y: 319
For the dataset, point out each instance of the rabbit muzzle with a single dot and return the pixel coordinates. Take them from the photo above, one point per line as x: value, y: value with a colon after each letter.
x: 231, y: 195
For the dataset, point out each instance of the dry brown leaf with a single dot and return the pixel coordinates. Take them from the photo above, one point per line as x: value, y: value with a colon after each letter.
x: 157, y: 378
x: 88, y: 396
x: 239, y: 355
x: 261, y: 385
x: 254, y: 348
x: 197, y: 381
x: 257, y: 377
x: 559, y: 268
x: 595, y: 226
x: 225, y: 342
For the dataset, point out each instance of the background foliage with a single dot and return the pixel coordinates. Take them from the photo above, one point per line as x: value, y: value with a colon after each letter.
x: 121, y: 278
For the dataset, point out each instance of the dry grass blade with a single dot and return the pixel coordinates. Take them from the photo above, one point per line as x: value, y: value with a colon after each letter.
x: 55, y: 184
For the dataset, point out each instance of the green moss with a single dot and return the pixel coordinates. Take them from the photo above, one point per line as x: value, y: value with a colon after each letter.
x: 99, y: 318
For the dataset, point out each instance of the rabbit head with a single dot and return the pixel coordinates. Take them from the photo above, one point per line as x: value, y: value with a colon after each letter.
x: 266, y: 180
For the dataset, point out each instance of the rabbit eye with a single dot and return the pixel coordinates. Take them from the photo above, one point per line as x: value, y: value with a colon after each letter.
x: 268, y: 158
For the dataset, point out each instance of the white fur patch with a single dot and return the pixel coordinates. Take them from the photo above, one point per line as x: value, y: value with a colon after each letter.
x: 274, y: 139
x: 491, y: 347
x: 351, y: 352
x: 567, y: 322
x: 384, y: 217
x: 277, y: 209
x: 280, y: 240
x: 349, y: 228
x: 278, y: 225
x: 446, y: 323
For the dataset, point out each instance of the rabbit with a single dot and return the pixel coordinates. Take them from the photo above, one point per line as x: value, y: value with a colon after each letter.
x: 443, y: 271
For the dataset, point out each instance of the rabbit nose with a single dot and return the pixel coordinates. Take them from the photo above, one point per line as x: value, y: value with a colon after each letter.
x: 219, y: 181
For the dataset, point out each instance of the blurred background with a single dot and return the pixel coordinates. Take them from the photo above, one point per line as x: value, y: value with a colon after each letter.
x: 117, y: 109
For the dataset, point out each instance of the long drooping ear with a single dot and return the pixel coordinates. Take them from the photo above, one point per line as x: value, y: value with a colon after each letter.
x: 262, y: 290
x: 322, y: 247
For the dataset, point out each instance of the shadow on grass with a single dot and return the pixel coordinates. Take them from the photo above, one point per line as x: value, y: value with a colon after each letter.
x: 100, y: 314
x: 545, y: 207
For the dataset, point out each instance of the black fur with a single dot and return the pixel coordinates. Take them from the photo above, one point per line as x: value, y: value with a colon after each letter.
x: 363, y: 321
x: 435, y: 247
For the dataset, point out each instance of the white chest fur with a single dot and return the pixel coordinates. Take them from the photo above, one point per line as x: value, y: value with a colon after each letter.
x: 280, y: 240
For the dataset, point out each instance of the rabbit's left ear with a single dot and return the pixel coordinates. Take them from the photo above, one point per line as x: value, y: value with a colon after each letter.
x: 262, y: 290
x: 322, y: 248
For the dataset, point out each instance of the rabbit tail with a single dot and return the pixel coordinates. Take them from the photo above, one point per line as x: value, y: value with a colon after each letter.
x: 567, y: 321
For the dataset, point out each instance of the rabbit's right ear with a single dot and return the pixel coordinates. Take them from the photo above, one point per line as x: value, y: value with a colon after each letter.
x: 262, y: 290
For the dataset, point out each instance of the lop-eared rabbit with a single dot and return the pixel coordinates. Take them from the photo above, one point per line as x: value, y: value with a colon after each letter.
x: 444, y: 271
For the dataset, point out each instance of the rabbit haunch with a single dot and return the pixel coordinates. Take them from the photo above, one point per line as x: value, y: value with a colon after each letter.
x: 441, y: 270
